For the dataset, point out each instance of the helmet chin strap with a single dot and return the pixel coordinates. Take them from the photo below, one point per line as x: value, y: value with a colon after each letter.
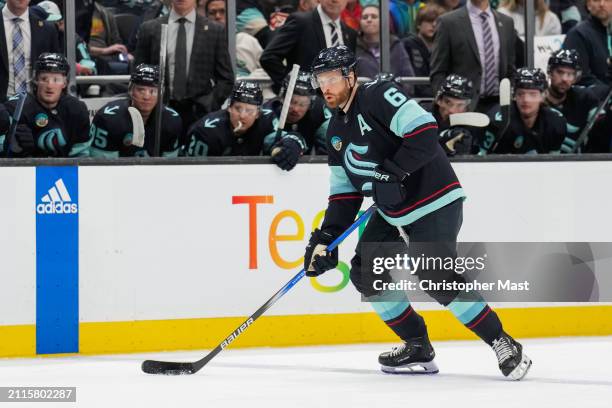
x: 350, y: 95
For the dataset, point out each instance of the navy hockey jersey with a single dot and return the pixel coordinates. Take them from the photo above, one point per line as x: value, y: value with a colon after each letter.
x: 59, y: 132
x: 383, y: 123
x: 112, y: 128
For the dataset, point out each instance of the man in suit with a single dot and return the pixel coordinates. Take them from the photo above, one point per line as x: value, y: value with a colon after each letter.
x: 303, y: 35
x: 23, y: 38
x: 199, y: 74
x: 478, y: 43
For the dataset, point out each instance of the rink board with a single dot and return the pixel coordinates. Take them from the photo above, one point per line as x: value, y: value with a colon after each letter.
x: 168, y: 256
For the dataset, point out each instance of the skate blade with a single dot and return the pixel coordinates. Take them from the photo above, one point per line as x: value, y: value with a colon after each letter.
x: 521, y: 370
x: 412, y: 368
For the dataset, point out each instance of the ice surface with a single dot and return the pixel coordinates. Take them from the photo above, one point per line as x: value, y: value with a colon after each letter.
x: 566, y: 372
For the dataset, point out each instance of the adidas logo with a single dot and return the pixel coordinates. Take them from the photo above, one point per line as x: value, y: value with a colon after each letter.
x: 57, y: 201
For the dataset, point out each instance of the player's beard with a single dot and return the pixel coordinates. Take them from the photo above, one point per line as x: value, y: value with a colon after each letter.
x: 333, y: 101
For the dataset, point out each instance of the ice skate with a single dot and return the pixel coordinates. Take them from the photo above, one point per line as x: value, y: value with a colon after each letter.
x: 415, y: 356
x: 513, y: 363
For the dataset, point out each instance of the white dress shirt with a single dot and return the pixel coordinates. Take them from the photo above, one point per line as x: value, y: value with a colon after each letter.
x: 325, y: 20
x: 7, y: 16
x: 173, y: 27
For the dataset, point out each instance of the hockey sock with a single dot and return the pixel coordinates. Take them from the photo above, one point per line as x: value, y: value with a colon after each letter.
x: 478, y: 317
x: 401, y: 318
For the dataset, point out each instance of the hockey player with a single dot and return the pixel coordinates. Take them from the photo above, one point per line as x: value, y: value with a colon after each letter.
x: 534, y: 127
x: 307, y: 113
x: 113, y: 128
x: 244, y: 129
x: 384, y: 145
x: 52, y: 123
x: 577, y: 104
x: 454, y: 96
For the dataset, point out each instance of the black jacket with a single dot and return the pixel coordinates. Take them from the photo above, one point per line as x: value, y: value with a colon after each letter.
x: 44, y: 39
x: 590, y: 39
x: 299, y: 41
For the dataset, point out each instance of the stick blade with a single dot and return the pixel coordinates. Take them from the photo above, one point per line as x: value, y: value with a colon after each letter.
x: 474, y: 119
x: 504, y: 92
x: 168, y: 368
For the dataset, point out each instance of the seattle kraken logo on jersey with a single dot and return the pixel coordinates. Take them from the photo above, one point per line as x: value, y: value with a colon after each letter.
x: 356, y: 165
x: 52, y: 141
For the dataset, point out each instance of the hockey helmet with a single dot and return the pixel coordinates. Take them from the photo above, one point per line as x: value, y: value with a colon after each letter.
x: 247, y: 92
x: 530, y: 78
x: 564, y: 58
x: 338, y: 57
x: 456, y: 86
x: 144, y: 74
x: 303, y: 86
x: 52, y: 62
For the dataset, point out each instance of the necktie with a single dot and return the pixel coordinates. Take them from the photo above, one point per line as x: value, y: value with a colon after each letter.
x: 490, y: 76
x: 180, y: 62
x: 334, y: 34
x: 19, y: 66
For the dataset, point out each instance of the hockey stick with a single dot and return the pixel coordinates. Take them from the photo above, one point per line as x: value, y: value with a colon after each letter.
x: 176, y: 368
x: 504, y: 105
x: 286, y: 102
x: 138, y: 130
x: 11, y: 141
x: 585, y: 132
x: 474, y: 119
x: 163, y: 46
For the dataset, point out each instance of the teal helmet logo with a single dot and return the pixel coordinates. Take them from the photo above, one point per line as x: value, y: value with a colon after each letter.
x: 336, y: 142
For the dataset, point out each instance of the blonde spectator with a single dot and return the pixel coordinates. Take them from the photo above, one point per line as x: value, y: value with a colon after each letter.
x: 547, y: 22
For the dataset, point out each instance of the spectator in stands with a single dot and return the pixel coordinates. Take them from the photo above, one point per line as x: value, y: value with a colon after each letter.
x: 115, y: 131
x: 351, y: 15
x: 52, y: 123
x: 200, y: 74
x: 593, y: 42
x: 403, y: 16
x: 84, y: 63
x: 213, y: 9
x: 485, y: 54
x: 569, y: 12
x: 418, y: 46
x: 23, y: 37
x: 534, y: 127
x: 105, y: 43
x: 250, y: 19
x: 448, y: 5
x: 368, y: 48
x: 307, y: 5
x: 547, y: 22
x: 303, y: 35
x: 244, y: 129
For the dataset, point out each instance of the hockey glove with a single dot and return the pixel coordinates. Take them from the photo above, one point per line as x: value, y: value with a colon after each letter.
x: 388, y: 188
x: 286, y: 153
x: 316, y: 259
x: 25, y: 139
x: 456, y: 140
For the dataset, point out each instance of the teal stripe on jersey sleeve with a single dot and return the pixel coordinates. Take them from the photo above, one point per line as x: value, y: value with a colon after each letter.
x: 95, y: 152
x: 81, y: 149
x: 408, y: 117
x: 269, y: 141
x: 172, y: 153
x: 339, y: 182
